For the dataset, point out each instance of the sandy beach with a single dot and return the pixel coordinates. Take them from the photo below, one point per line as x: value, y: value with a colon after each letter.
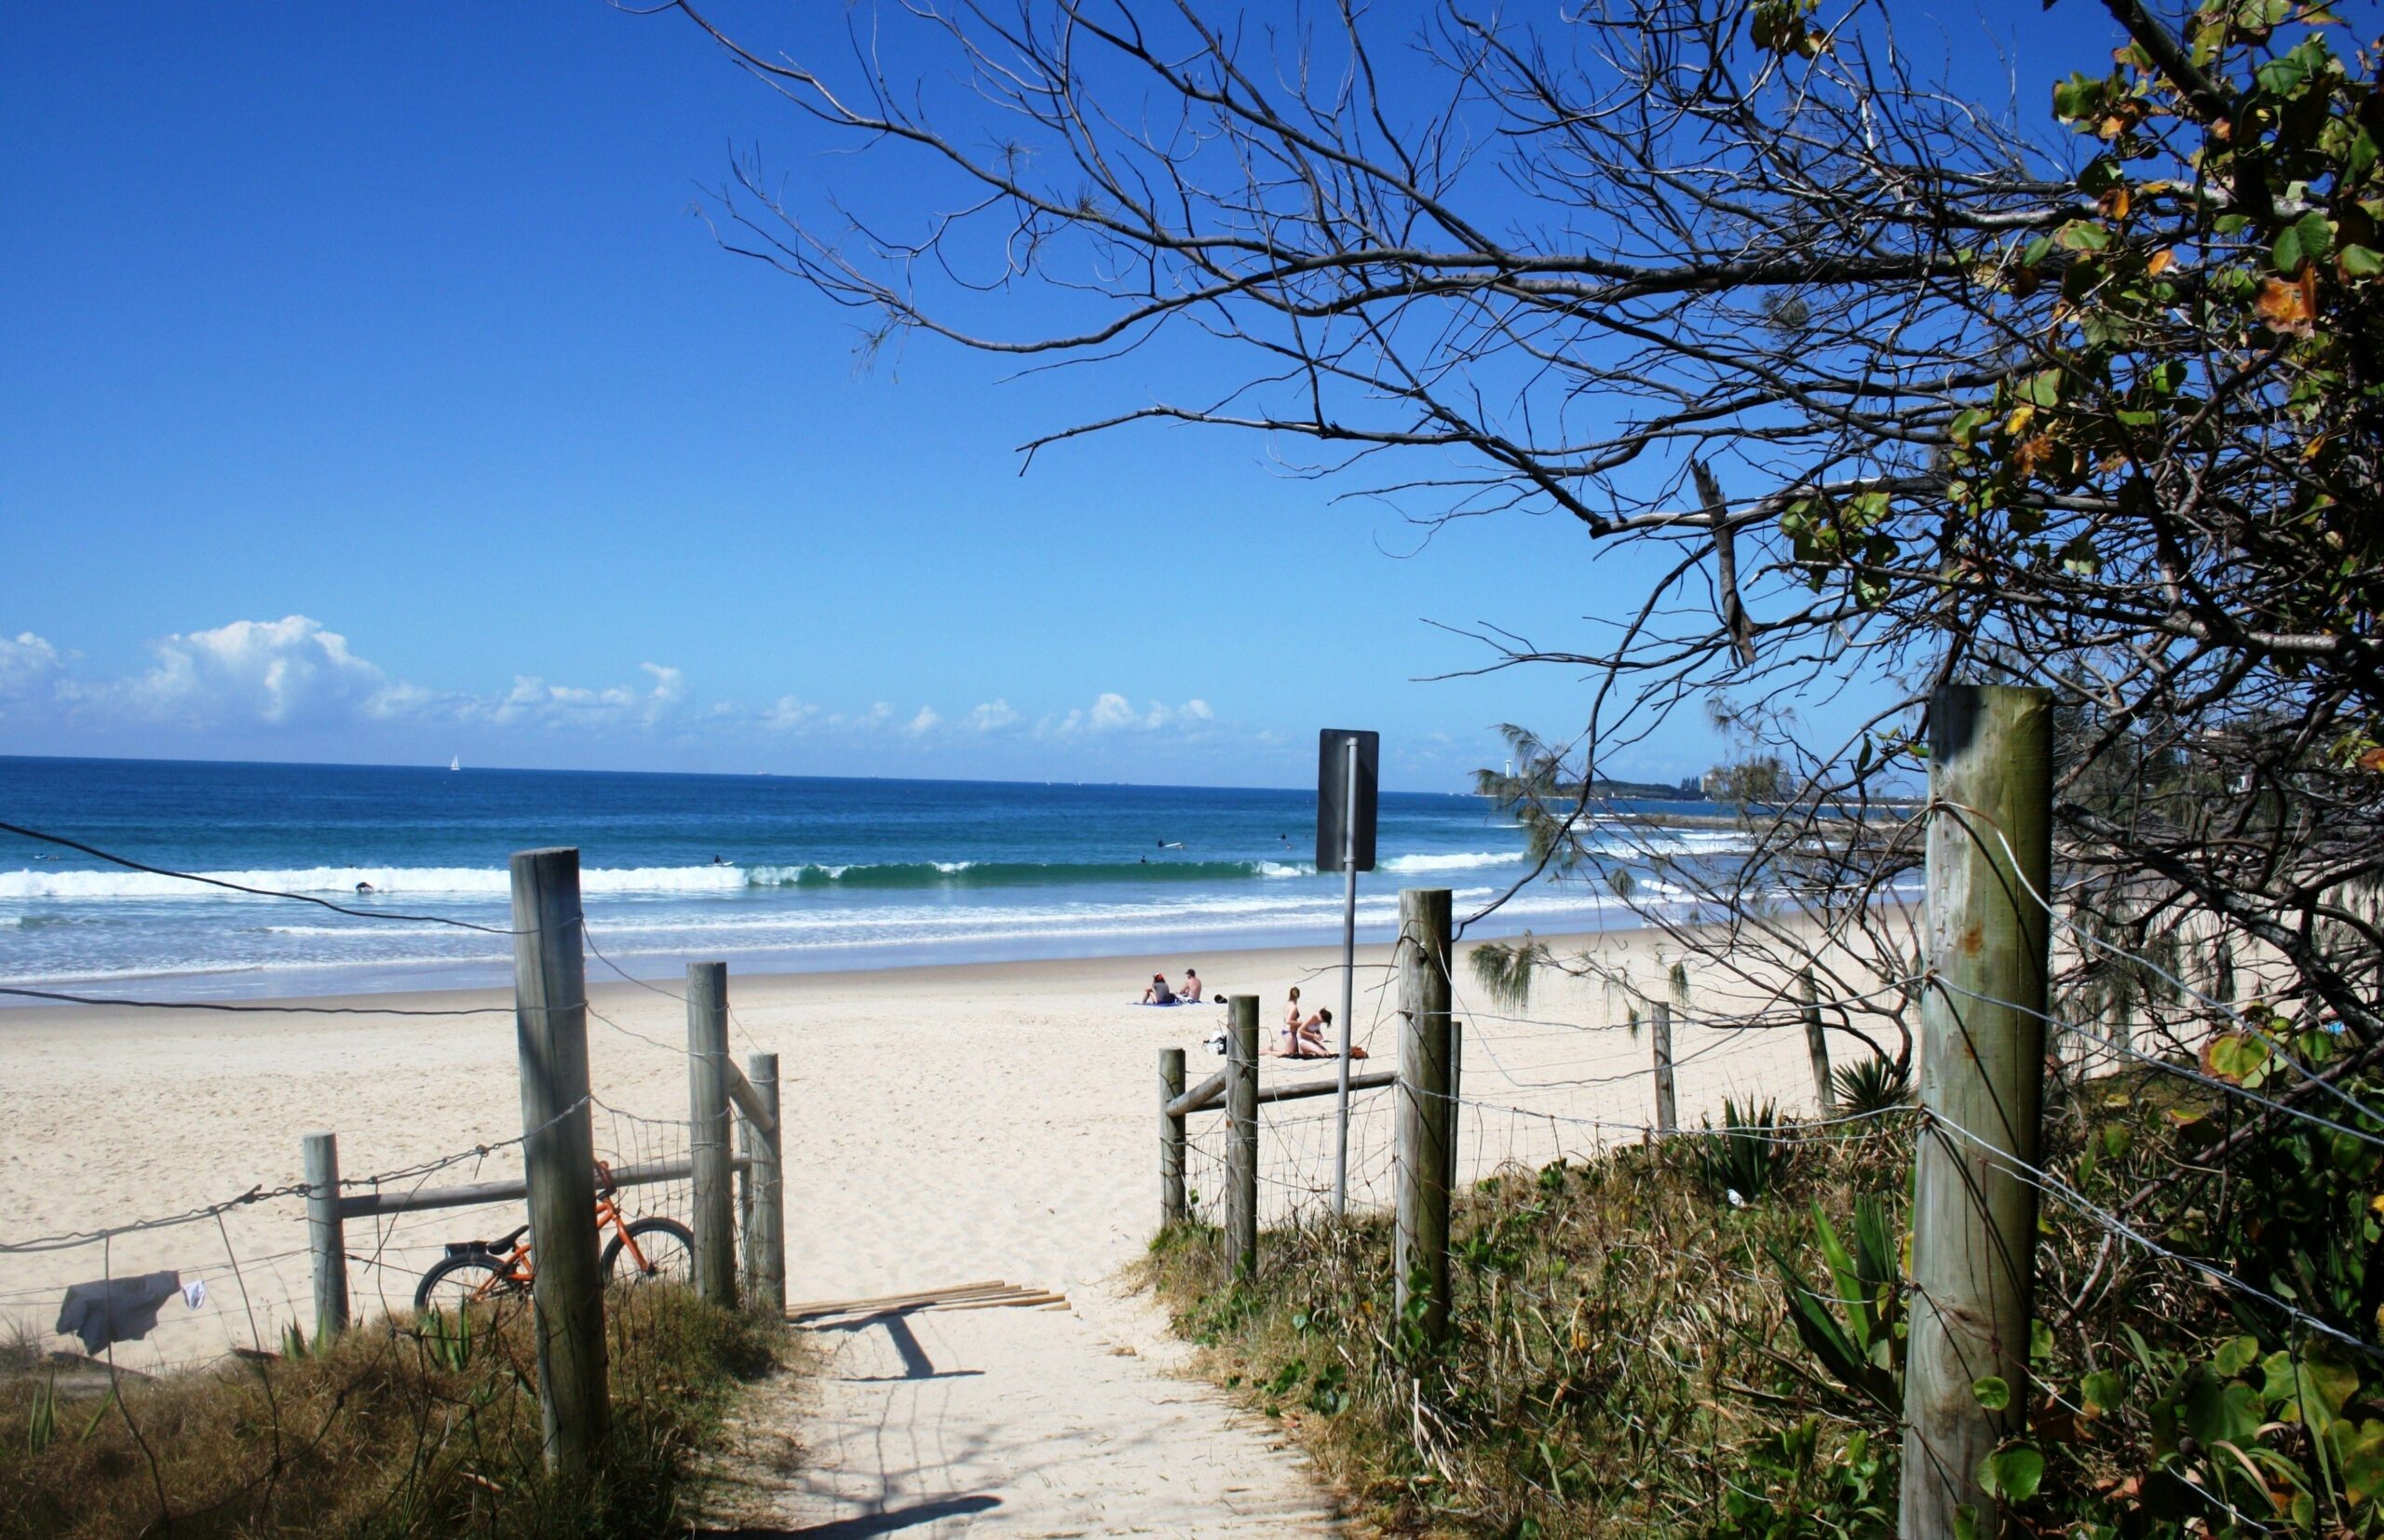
x: 944, y: 1123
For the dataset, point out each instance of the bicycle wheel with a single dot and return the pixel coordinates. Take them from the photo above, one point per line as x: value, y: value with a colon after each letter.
x: 467, y: 1278
x: 667, y: 1246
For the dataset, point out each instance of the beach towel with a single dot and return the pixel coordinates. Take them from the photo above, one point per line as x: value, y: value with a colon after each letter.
x: 116, y: 1310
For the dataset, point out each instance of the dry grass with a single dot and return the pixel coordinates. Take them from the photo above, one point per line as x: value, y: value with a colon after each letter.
x: 391, y: 1432
x: 1617, y: 1338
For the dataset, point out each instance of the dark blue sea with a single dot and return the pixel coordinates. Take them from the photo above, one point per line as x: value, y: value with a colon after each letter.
x: 776, y: 873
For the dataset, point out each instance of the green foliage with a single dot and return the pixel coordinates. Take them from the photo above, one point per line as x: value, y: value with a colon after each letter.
x: 1504, y: 970
x: 448, y: 1343
x: 1748, y: 1155
x: 1603, y: 1312
x: 1871, y: 1085
x: 1795, y: 1486
x: 1856, y: 1330
x: 41, y: 1421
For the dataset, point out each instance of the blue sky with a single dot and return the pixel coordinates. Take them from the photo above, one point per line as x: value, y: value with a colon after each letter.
x: 374, y: 393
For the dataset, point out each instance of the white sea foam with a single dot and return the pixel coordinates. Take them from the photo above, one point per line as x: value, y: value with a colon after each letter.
x: 1463, y: 861
x: 384, y: 881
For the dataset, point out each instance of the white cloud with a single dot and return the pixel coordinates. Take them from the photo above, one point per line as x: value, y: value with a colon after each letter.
x: 532, y: 699
x: 298, y: 675
x: 991, y: 717
x: 277, y: 672
x: 1112, y: 712
x: 788, y: 715
x: 29, y: 667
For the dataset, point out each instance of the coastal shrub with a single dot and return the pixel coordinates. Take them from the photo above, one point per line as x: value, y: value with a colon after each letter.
x: 1626, y: 1356
x: 1871, y: 1084
x: 398, y: 1429
x: 1747, y: 1157
x: 1605, y: 1315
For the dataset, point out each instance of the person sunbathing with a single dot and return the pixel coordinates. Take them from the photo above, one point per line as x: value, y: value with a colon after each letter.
x: 1309, y: 1035
x: 1159, y: 993
x: 1190, y: 990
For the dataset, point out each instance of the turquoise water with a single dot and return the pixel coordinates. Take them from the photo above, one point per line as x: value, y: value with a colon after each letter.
x: 776, y: 873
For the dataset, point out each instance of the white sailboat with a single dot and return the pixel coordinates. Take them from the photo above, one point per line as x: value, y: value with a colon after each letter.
x: 456, y: 763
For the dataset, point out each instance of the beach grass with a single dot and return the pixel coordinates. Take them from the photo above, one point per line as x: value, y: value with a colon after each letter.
x: 1617, y: 1342
x: 398, y: 1429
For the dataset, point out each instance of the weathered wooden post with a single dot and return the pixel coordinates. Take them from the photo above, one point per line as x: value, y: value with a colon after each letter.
x: 1241, y: 1140
x: 1667, y: 1102
x: 1456, y: 1096
x: 708, y: 1130
x: 1420, y: 1234
x: 1817, y: 1047
x: 326, y: 1236
x: 1981, y: 1083
x: 1170, y: 1139
x: 558, y: 1156
x: 765, y: 1227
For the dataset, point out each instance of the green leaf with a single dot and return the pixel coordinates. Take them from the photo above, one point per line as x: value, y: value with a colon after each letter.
x: 2012, y: 1474
x: 2359, y: 1454
x: 2359, y: 262
x: 2236, y: 1355
x: 2082, y: 234
x: 2306, y: 238
x: 1992, y: 1392
x: 2100, y: 1392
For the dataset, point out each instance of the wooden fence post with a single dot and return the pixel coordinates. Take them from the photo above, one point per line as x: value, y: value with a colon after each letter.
x: 1667, y: 1100
x: 326, y: 1236
x: 1982, y: 1084
x: 558, y: 1156
x: 1817, y: 1047
x: 1457, y: 1095
x: 1170, y: 1139
x: 765, y: 1228
x: 1241, y: 1142
x: 1420, y: 1233
x: 708, y: 1130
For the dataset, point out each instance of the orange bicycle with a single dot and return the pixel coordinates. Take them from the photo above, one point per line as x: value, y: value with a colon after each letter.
x: 658, y: 1250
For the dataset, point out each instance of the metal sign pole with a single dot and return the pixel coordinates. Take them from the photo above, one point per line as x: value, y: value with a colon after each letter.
x: 1348, y: 979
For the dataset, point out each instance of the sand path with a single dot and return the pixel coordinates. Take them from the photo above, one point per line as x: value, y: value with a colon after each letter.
x: 1011, y: 1422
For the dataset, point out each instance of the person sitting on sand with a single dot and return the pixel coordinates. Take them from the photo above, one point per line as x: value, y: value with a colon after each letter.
x: 1190, y: 988
x: 1287, y: 1036
x: 1316, y: 1033
x: 1159, y: 993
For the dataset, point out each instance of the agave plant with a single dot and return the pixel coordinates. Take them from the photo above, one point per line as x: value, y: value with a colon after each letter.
x: 1873, y: 1085
x: 1746, y: 1157
x: 1856, y: 1329
x: 41, y: 1424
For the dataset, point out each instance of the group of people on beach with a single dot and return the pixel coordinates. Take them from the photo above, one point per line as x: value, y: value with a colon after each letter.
x: 1299, y: 1036
x: 1185, y: 994
x: 1307, y: 1038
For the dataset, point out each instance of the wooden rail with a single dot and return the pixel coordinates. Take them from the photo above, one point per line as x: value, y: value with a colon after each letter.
x: 750, y: 1102
x: 361, y: 1205
x: 1210, y: 1093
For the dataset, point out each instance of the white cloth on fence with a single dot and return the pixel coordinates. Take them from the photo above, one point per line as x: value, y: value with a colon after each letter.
x: 194, y: 1294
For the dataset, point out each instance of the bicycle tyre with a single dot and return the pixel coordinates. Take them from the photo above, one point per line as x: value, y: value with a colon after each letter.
x: 670, y: 1260
x: 501, y: 1279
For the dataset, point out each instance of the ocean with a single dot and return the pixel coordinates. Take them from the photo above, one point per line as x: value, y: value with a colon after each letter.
x: 773, y: 873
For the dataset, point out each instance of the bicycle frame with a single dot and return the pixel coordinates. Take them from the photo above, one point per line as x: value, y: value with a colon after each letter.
x: 520, y: 1273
